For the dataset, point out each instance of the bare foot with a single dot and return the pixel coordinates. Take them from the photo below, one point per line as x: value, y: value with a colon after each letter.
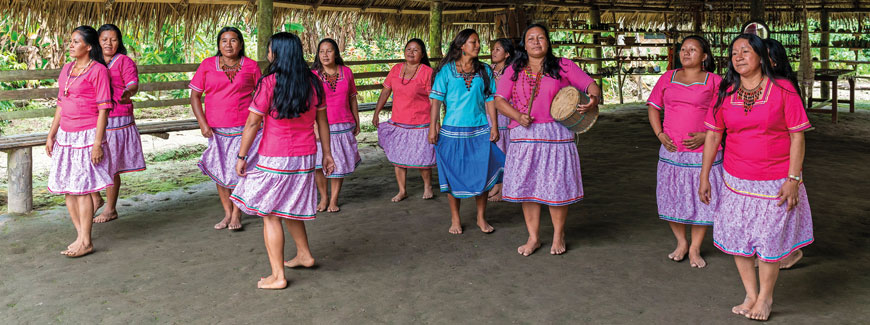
x: 300, y: 261
x: 558, y: 246
x: 71, y: 247
x: 695, y: 259
x: 333, y: 207
x: 80, y: 251
x: 790, y: 260
x: 106, y: 216
x: 495, y: 194
x: 455, y: 228
x: 760, y: 310
x: 272, y: 283
x: 223, y: 224
x: 680, y: 252
x: 743, y: 308
x: 99, y: 204
x: 427, y: 193
x: 235, y: 223
x: 529, y: 247
x: 400, y: 196
x: 485, y: 227
x: 321, y: 206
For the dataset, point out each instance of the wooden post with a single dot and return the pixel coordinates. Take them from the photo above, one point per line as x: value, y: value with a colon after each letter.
x: 756, y: 10
x: 825, y: 53
x: 264, y: 27
x: 698, y: 21
x: 594, y: 19
x: 435, y: 29
x: 19, y: 171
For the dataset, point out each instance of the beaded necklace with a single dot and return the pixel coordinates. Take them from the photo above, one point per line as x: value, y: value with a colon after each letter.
x: 69, y: 74
x: 331, y: 80
x: 467, y: 76
x: 412, y: 76
x: 231, y: 70
x: 749, y: 96
x: 533, y: 80
x: 497, y: 73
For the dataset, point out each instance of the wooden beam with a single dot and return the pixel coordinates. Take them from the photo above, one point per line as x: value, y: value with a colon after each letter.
x: 264, y: 28
x: 756, y: 10
x: 825, y: 52
x: 19, y: 173
x: 435, y: 28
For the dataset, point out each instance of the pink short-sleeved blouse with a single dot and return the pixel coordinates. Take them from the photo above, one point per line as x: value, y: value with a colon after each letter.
x: 520, y: 91
x: 87, y: 95
x: 338, y: 98
x: 686, y: 105
x: 758, y: 143
x: 122, y: 74
x: 284, y: 137
x: 226, y: 102
x: 410, y: 97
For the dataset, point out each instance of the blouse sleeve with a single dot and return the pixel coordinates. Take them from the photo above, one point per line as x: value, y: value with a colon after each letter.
x: 198, y: 82
x: 576, y: 76
x: 657, y: 95
x: 505, y: 84
x: 351, y: 83
x: 61, y: 81
x: 262, y: 102
x: 714, y: 120
x: 103, y: 89
x: 129, y: 73
x: 388, y: 81
x: 795, y: 115
x: 492, y: 88
x: 439, y: 86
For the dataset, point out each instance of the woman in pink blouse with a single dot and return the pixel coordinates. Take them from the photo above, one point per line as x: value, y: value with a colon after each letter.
x: 342, y: 111
x: 288, y: 101
x: 405, y: 136
x: 763, y: 210
x: 685, y: 94
x: 125, y: 146
x: 227, y: 80
x: 76, y: 141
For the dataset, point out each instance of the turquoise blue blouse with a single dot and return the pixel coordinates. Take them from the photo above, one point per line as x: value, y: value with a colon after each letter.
x: 465, y: 107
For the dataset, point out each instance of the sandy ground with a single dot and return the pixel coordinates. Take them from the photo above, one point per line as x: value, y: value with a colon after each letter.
x: 382, y: 262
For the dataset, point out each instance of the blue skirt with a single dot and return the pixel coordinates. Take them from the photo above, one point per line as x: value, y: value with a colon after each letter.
x: 468, y: 163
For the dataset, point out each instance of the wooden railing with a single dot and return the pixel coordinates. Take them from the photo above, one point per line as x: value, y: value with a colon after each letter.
x: 19, y: 147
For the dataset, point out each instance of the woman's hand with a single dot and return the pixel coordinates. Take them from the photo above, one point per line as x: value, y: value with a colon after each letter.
x: 493, y: 135
x: 433, y: 133
x: 704, y: 191
x: 328, y: 164
x: 356, y: 130
x: 695, y: 140
x: 206, y: 131
x: 376, y: 120
x: 241, y: 167
x: 49, y: 146
x: 591, y: 106
x: 125, y: 97
x: 96, y: 154
x: 667, y: 142
x: 789, y: 193
x: 525, y: 120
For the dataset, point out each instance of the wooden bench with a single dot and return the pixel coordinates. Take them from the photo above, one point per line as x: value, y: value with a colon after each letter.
x: 832, y: 75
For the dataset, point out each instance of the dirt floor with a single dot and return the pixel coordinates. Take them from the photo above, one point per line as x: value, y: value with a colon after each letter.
x: 382, y: 262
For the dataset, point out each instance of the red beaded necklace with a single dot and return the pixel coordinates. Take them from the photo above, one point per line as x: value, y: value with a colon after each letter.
x: 467, y: 76
x: 533, y: 81
x: 331, y: 80
x: 412, y: 76
x: 231, y: 70
x: 749, y: 96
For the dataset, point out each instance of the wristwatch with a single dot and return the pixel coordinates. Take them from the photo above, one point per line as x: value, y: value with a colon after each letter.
x: 797, y: 178
x: 245, y: 158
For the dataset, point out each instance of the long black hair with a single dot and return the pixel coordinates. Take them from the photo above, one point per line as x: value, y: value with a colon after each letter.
x: 425, y: 59
x: 319, y: 65
x: 779, y: 59
x: 92, y: 38
x: 238, y: 35
x: 508, y: 45
x: 551, y: 63
x: 293, y: 79
x: 732, y: 78
x: 708, y: 65
x: 454, y: 53
x: 111, y: 27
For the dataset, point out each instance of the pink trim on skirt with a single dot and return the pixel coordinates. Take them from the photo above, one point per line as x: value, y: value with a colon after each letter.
x: 749, y: 221
x: 72, y: 171
x: 125, y: 145
x: 279, y: 186
x: 678, y: 179
x: 406, y: 146
x: 218, y: 161
x: 542, y: 166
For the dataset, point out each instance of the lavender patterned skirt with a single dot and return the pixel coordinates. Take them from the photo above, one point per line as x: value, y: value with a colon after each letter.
x: 748, y: 221
x: 218, y: 161
x: 542, y: 166
x: 279, y: 186
x: 677, y: 187
x: 504, y: 134
x: 343, y: 145
x: 72, y: 171
x: 405, y: 145
x: 125, y: 145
